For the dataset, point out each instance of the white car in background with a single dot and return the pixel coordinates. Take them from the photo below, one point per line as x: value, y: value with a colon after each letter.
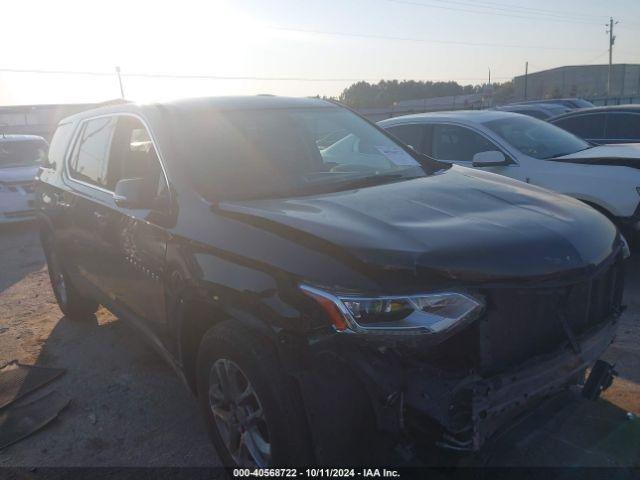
x: 606, y: 177
x: 20, y: 158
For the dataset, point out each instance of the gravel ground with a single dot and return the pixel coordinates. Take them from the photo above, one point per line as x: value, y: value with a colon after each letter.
x: 129, y: 409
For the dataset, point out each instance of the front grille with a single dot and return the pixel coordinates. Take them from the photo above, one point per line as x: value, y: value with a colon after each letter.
x: 525, y: 322
x: 27, y: 187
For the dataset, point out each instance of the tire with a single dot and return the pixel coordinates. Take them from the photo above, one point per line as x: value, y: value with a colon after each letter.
x: 74, y: 305
x: 270, y: 415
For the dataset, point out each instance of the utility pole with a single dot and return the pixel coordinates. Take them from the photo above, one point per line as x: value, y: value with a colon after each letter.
x: 120, y: 82
x: 526, y: 75
x: 612, y: 40
x: 489, y: 77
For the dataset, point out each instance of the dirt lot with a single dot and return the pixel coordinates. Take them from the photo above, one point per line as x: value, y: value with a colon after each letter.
x: 129, y: 409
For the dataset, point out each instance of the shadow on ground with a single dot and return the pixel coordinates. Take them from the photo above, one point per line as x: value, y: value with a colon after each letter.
x: 127, y: 407
x: 20, y: 253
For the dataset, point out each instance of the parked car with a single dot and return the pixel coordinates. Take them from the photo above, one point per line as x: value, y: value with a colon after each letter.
x: 535, y: 152
x: 20, y: 156
x: 541, y: 111
x: 601, y: 125
x: 312, y: 298
x: 568, y: 102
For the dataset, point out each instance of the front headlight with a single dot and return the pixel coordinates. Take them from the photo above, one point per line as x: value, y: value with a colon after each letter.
x: 416, y: 314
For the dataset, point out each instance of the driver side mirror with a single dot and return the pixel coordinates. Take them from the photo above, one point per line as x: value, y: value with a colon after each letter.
x: 492, y: 158
x: 133, y: 193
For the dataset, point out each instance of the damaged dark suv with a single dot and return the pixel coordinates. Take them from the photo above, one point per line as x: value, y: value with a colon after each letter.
x: 322, y: 289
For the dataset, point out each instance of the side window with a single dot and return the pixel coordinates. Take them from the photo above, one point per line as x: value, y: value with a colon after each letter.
x: 59, y: 143
x: 623, y: 126
x: 133, y: 155
x: 412, y: 135
x: 89, y: 160
x: 584, y: 126
x: 451, y: 142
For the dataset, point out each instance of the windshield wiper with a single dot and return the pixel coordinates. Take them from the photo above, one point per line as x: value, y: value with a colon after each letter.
x: 368, y: 181
x: 568, y: 153
x: 314, y: 188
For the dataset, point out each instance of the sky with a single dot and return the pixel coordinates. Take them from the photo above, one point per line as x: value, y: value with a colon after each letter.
x: 292, y: 47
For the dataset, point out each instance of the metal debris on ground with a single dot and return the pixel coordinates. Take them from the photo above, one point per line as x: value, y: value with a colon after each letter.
x: 21, y: 421
x: 18, y: 380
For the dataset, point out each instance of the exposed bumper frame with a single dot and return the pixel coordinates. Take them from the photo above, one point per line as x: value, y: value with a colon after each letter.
x: 483, y: 406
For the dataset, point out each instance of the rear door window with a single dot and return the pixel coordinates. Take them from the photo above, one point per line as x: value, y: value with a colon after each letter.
x: 412, y: 135
x: 455, y: 143
x: 623, y: 126
x: 584, y: 126
x: 88, y: 162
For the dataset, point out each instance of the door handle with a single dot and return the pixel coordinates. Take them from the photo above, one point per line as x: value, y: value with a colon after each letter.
x: 58, y: 201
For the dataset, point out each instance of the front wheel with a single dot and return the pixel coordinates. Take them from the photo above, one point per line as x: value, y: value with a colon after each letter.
x: 74, y: 305
x: 254, y: 415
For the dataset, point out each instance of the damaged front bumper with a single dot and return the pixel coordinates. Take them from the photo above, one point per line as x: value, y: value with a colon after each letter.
x: 473, y: 409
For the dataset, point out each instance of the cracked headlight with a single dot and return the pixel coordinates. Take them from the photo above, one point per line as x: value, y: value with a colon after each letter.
x: 416, y: 314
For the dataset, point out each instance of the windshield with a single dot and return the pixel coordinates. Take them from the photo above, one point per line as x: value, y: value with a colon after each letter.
x: 536, y: 138
x: 245, y: 154
x: 21, y: 153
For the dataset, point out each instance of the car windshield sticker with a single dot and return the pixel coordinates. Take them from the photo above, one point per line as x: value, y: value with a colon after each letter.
x: 397, y: 155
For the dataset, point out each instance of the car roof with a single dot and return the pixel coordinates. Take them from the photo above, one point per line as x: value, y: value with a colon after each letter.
x: 256, y: 102
x: 532, y: 106
x: 609, y: 108
x: 550, y: 100
x: 464, y: 116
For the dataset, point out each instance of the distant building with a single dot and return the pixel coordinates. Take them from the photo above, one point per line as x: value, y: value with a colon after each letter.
x: 40, y: 119
x: 585, y: 81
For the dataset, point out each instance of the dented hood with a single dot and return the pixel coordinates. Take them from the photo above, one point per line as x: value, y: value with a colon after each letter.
x: 623, y: 154
x: 461, y: 224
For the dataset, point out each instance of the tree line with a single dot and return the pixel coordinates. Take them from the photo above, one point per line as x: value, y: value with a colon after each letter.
x: 386, y: 92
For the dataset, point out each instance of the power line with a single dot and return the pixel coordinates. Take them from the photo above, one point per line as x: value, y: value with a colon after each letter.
x: 530, y: 9
x: 602, y: 54
x: 488, y: 12
x: 55, y: 72
x: 519, y: 11
x: 492, y: 6
x: 215, y: 77
x: 425, y: 40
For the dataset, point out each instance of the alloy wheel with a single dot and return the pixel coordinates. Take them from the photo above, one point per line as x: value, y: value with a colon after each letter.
x: 238, y: 414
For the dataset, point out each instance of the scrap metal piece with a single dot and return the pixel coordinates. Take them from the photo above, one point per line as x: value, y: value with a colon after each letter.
x: 17, y: 380
x: 599, y: 380
x: 19, y: 422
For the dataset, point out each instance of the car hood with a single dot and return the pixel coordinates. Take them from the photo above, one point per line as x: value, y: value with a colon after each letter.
x: 623, y: 154
x: 18, y: 174
x: 459, y: 224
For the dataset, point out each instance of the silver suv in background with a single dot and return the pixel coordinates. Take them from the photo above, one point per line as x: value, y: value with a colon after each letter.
x: 20, y: 157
